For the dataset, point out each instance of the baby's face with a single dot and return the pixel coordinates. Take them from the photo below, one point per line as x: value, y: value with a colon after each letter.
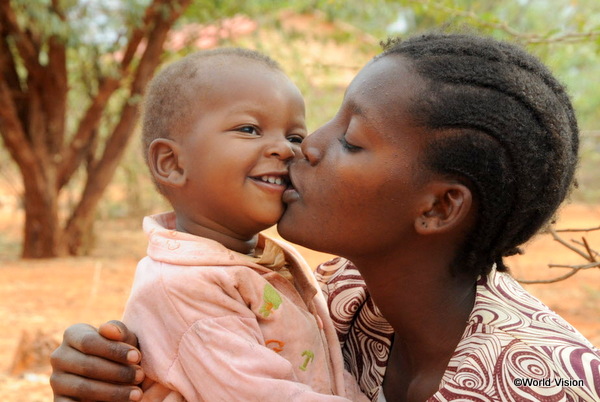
x: 237, y: 153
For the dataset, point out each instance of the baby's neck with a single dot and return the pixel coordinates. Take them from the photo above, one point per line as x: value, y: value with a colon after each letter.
x: 244, y: 244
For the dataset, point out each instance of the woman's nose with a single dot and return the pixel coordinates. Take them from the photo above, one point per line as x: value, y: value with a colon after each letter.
x: 310, y: 148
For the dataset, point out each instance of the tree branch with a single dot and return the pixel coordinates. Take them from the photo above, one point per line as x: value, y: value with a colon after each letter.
x: 594, y: 264
x: 99, y: 176
x: 557, y: 279
x: 146, y: 67
x: 14, y: 137
x: 577, y: 230
x: 24, y: 43
x: 587, y: 253
x: 8, y: 67
x: 557, y: 238
x: 574, y: 269
x: 32, y: 114
x: 593, y: 253
x: 55, y: 88
x: 74, y: 155
x: 591, y: 256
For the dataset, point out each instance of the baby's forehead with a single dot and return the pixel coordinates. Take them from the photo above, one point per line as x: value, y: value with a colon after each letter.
x: 208, y: 73
x: 220, y: 63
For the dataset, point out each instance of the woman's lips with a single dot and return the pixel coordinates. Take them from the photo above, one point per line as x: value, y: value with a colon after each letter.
x: 290, y: 195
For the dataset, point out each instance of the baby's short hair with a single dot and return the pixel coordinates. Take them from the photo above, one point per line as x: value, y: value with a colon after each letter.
x: 167, y: 106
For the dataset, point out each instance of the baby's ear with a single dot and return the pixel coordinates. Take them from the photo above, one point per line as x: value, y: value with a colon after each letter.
x: 447, y: 206
x: 165, y: 164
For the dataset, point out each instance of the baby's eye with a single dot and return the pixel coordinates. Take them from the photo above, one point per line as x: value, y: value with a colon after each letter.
x: 248, y: 130
x: 295, y: 139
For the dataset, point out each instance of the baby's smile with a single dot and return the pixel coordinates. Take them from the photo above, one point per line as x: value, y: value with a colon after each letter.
x: 281, y: 180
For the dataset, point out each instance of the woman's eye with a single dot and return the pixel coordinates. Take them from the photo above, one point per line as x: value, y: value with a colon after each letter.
x: 248, y: 130
x: 347, y: 146
x: 295, y: 139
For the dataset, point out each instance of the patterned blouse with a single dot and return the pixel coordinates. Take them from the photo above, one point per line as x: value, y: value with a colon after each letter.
x: 514, y: 348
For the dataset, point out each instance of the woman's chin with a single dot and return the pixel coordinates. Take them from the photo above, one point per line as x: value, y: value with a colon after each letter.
x: 288, y: 229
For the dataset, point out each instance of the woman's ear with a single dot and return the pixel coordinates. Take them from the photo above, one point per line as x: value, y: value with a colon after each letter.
x: 165, y: 163
x: 447, y: 206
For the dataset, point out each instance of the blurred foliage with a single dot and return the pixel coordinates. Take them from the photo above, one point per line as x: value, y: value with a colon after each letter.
x: 323, y: 43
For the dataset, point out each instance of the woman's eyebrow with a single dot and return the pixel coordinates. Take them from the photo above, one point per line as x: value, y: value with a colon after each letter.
x: 356, y: 109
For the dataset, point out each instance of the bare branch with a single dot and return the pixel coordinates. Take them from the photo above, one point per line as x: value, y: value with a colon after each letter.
x: 594, y: 253
x: 574, y: 269
x: 578, y: 230
x: 557, y: 279
x: 589, y: 250
x: 557, y: 238
x: 594, y: 264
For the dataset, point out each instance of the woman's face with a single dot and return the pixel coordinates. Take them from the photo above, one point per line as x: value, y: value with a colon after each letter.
x: 356, y: 192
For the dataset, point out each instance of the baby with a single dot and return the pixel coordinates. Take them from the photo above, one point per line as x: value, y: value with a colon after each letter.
x: 223, y: 312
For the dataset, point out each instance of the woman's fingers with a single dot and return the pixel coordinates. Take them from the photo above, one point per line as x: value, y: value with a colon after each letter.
x: 87, y: 340
x: 117, y: 331
x: 88, y: 366
x: 69, y: 387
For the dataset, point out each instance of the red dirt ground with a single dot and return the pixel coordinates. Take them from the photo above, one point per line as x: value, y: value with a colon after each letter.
x: 49, y: 295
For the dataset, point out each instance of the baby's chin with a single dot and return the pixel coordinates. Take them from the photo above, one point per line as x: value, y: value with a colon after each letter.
x: 271, y: 217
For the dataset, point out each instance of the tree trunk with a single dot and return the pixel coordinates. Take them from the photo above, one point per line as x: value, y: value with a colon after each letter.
x: 41, y: 230
x: 33, y: 121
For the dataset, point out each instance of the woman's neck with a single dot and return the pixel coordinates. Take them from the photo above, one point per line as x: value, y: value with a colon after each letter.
x: 428, y: 308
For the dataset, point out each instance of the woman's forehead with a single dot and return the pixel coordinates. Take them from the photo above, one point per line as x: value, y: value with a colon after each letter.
x: 386, y: 86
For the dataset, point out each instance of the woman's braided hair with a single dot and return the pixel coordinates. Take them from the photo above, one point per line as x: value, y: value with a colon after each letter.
x: 502, y: 124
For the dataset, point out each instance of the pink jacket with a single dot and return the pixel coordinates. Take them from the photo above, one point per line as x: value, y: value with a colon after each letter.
x: 216, y: 325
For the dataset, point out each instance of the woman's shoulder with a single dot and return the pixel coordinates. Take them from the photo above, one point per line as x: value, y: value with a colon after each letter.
x: 339, y: 270
x: 497, y: 364
x: 502, y: 305
x: 515, y: 345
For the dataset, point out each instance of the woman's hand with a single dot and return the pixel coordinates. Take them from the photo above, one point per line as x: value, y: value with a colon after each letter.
x: 98, y: 364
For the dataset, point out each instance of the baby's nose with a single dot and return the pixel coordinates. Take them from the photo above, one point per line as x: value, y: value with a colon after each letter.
x: 282, y: 149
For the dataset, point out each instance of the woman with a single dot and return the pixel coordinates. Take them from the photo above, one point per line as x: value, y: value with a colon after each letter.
x: 448, y: 152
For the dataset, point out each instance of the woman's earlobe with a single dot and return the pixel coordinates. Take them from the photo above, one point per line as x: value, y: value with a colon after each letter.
x: 448, y: 207
x: 165, y: 163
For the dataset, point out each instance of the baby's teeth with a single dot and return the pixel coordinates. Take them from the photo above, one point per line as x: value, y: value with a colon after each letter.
x: 272, y: 180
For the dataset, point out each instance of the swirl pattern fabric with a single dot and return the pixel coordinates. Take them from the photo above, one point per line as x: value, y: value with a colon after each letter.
x: 514, y: 348
x: 365, y: 336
